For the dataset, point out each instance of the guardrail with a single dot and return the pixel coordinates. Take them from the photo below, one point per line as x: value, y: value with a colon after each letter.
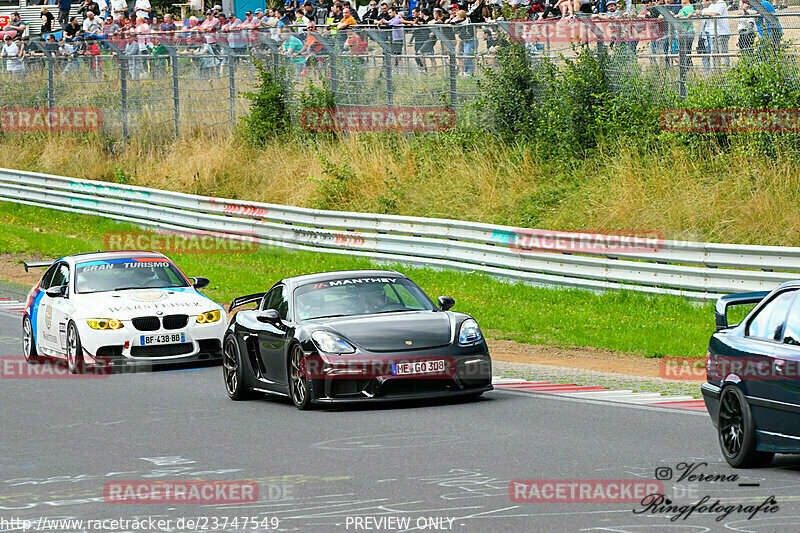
x: 692, y: 269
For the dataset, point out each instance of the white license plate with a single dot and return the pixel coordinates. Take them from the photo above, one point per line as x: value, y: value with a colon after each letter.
x: 420, y: 367
x: 162, y: 338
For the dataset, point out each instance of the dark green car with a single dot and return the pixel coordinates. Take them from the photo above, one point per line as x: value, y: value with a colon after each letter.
x: 753, y: 387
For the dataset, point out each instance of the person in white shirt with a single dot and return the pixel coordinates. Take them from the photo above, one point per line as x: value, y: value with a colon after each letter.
x: 92, y: 25
x: 143, y: 9
x: 13, y: 52
x: 119, y: 7
x: 718, y: 29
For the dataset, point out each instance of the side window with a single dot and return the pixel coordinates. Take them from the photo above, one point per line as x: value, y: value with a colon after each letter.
x: 48, y: 277
x: 266, y: 303
x: 61, y: 275
x: 767, y: 324
x: 791, y: 333
x: 407, y: 298
x: 276, y: 299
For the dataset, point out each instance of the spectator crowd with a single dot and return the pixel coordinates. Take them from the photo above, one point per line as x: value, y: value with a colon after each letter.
x: 307, y: 32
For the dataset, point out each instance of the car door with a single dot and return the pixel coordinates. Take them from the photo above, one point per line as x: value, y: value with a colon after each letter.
x: 57, y: 312
x: 40, y: 318
x: 785, y: 389
x: 271, y: 339
x: 764, y: 331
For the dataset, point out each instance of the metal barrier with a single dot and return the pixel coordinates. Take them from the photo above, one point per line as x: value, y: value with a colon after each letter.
x: 696, y: 270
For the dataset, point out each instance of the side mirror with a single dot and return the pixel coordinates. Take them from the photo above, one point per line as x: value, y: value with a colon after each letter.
x: 270, y: 316
x: 56, y: 292
x: 446, y: 303
x: 199, y: 283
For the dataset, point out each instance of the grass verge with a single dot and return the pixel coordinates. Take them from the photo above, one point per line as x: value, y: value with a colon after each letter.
x: 621, y: 321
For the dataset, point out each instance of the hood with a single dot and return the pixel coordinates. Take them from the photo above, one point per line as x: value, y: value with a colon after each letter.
x: 125, y: 305
x: 390, y: 332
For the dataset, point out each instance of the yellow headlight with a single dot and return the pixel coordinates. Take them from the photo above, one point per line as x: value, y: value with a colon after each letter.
x: 209, y: 316
x: 104, y: 323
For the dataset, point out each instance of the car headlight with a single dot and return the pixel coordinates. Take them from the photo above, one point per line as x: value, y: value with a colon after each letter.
x: 331, y: 343
x: 209, y: 316
x: 470, y: 332
x: 104, y: 323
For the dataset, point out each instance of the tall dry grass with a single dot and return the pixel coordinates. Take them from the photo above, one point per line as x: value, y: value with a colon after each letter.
x: 721, y: 197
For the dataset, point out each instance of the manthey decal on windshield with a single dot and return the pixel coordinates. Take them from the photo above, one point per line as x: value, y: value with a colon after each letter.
x: 353, y: 281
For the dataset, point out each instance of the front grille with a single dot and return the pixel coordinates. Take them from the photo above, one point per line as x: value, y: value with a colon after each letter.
x: 161, y: 351
x: 401, y: 386
x: 175, y: 321
x: 146, y: 323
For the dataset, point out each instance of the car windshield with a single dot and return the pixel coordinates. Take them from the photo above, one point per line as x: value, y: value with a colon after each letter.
x: 359, y: 296
x: 127, y: 273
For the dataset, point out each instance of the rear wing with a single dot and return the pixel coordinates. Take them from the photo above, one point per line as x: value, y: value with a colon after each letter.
x: 724, y: 302
x: 37, y: 264
x: 241, y: 300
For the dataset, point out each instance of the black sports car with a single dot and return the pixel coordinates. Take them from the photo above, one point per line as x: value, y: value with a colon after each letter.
x: 353, y: 336
x: 753, y: 387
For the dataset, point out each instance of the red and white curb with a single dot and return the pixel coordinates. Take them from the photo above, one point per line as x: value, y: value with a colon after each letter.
x: 12, y: 306
x: 601, y: 393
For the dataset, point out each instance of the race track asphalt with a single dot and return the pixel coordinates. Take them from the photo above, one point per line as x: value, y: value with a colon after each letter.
x: 63, y: 440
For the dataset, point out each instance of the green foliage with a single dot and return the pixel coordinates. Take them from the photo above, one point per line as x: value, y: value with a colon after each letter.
x: 509, y: 94
x: 120, y: 176
x: 269, y: 113
x: 317, y: 97
x: 333, y: 190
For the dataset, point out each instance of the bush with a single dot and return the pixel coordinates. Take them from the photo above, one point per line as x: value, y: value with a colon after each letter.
x: 269, y: 113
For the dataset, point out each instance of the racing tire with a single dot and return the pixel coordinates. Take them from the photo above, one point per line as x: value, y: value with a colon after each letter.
x: 75, y: 362
x: 29, y: 342
x: 737, y: 431
x: 299, y: 389
x: 233, y: 371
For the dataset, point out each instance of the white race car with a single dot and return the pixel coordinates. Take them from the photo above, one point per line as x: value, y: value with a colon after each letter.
x: 108, y: 309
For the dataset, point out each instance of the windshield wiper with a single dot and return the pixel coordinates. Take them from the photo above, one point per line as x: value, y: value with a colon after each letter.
x: 326, y: 316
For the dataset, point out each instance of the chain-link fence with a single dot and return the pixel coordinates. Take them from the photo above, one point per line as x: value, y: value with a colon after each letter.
x: 172, y: 83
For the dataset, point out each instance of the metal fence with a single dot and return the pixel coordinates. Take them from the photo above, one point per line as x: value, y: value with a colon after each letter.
x: 696, y: 270
x: 175, y: 82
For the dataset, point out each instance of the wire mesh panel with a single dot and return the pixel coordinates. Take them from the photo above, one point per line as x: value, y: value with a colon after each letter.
x: 175, y: 82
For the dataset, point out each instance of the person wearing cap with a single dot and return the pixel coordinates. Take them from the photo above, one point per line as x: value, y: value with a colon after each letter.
x: 13, y: 52
x: 772, y: 32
